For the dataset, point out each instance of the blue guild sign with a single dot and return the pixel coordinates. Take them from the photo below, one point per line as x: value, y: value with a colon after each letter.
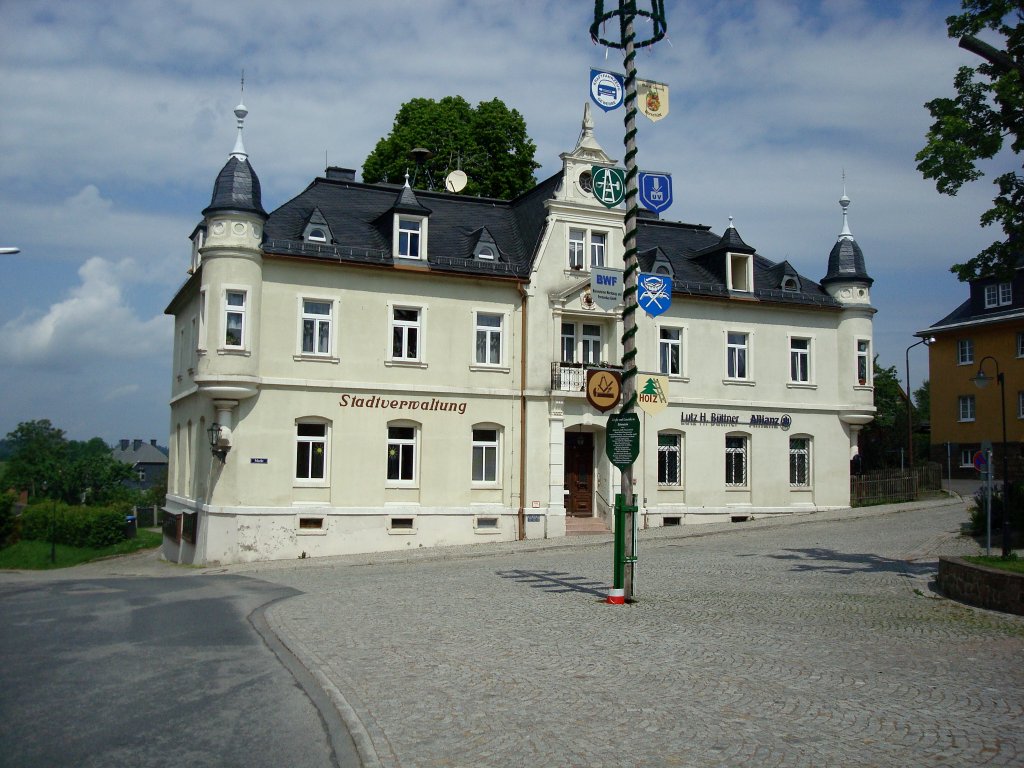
x: 654, y: 293
x: 607, y: 89
x: 655, y: 191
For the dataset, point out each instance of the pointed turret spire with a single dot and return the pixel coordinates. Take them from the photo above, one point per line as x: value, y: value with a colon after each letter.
x: 586, y: 140
x: 237, y: 187
x: 846, y: 261
x: 240, y: 113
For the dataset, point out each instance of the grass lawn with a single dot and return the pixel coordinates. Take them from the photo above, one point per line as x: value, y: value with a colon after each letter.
x: 35, y: 555
x: 1015, y: 565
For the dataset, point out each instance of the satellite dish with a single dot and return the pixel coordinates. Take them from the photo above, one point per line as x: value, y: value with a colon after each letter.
x: 455, y: 181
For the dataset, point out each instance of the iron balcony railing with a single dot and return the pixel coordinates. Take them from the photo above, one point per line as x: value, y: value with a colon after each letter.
x: 572, y: 377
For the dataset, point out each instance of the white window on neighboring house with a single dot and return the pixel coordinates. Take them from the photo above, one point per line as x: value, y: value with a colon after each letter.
x: 1005, y: 294
x: 736, y: 366
x: 800, y: 360
x: 863, y: 362
x: 577, y: 248
x: 401, y: 454
x: 234, y: 319
x: 964, y: 351
x: 670, y: 463
x: 965, y: 404
x: 316, y: 327
x: 409, y: 237
x: 1020, y: 405
x: 591, y: 344
x: 486, y: 455
x: 998, y: 295
x: 967, y: 457
x: 670, y: 351
x: 488, y: 338
x: 1020, y: 344
x: 799, y: 462
x: 735, y: 461
x: 405, y: 333
x: 597, y: 249
x: 310, y: 451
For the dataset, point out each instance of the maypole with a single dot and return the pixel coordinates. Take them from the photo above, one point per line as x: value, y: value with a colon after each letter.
x: 627, y: 13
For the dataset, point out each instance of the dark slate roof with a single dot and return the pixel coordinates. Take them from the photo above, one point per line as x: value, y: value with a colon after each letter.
x: 237, y: 189
x: 697, y: 256
x: 846, y: 262
x: 359, y: 216
x: 138, y: 452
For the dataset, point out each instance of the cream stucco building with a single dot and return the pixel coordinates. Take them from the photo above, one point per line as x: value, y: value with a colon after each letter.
x: 380, y: 369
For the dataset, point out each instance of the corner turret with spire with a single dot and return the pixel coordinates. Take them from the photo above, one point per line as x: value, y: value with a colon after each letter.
x: 847, y: 278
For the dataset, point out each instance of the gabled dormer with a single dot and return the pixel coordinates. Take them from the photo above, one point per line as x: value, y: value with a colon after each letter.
x: 408, y: 226
x: 484, y: 248
x: 577, y: 178
x: 656, y: 261
x: 731, y: 260
x: 317, y: 230
x: 783, y: 277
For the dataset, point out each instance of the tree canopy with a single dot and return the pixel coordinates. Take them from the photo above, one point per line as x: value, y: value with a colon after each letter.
x: 46, y: 464
x: 488, y: 142
x: 986, y: 115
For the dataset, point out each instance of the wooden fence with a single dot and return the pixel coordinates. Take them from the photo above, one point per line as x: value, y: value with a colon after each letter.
x: 888, y: 486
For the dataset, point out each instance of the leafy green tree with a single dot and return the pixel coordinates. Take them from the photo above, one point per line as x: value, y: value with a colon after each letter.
x: 489, y: 143
x: 883, y: 441
x: 37, y: 454
x: 987, y: 113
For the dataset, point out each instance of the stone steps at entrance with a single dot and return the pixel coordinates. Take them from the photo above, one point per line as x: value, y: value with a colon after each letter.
x: 584, y: 526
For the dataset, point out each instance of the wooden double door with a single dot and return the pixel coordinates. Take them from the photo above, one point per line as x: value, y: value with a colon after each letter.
x: 579, y: 474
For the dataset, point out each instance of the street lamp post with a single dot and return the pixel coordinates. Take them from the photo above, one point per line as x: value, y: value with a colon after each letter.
x: 910, y: 406
x: 981, y: 381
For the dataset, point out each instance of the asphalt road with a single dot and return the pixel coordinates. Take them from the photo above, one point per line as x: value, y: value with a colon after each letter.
x: 152, y: 672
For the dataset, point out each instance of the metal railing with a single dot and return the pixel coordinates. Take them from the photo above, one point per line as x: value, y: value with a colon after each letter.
x: 572, y: 377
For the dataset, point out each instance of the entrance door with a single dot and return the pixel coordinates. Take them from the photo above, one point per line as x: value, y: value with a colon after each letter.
x: 579, y: 474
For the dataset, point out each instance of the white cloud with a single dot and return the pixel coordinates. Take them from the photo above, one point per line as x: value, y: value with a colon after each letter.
x: 92, y: 326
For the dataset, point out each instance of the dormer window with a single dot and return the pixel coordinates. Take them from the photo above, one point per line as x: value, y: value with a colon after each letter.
x: 316, y: 236
x: 410, y: 237
x: 790, y: 283
x: 741, y: 272
x: 486, y: 253
x: 999, y: 295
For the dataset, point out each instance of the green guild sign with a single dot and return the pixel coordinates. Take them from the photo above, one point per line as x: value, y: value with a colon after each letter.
x: 622, y: 439
x: 609, y: 185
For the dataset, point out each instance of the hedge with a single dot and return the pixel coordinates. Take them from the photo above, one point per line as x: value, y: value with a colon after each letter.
x: 91, y: 527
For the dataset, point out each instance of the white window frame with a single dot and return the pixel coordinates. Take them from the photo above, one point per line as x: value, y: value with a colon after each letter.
x: 743, y: 451
x: 488, y: 333
x: 568, y: 342
x: 405, y: 237
x: 665, y: 348
x: 863, y: 357
x: 672, y: 447
x: 740, y: 272
x: 313, y: 442
x: 598, y: 249
x: 966, y: 408
x: 577, y: 248
x: 796, y: 355
x: 401, y: 445
x: 1005, y: 294
x: 483, y: 446
x: 201, y: 340
x: 235, y: 309
x: 317, y: 235
x: 964, y: 351
x: 998, y: 295
x: 318, y: 320
x: 419, y: 325
x: 737, y: 356
x: 1020, y: 404
x: 1020, y: 344
x: 591, y: 346
x: 967, y: 457
x: 795, y: 454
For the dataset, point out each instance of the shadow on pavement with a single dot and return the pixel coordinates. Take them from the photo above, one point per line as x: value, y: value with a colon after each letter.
x: 556, y: 581
x: 831, y: 561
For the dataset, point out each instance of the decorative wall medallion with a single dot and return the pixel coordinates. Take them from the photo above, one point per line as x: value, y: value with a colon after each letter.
x: 238, y: 228
x: 218, y: 228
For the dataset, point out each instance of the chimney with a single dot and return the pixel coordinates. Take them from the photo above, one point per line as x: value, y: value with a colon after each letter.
x: 124, y: 444
x: 153, y: 442
x: 136, y: 444
x: 334, y: 173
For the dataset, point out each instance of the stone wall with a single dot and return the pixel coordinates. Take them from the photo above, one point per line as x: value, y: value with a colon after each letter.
x: 979, y: 585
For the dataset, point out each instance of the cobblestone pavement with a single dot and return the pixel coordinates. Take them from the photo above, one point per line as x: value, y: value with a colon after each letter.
x: 817, y: 643
x: 796, y: 641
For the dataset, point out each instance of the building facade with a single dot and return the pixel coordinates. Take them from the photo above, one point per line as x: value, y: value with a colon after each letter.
x: 984, y: 333
x: 371, y: 367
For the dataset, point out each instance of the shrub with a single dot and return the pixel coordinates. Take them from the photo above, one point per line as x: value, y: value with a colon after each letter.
x: 90, y: 527
x: 8, y: 522
x: 978, y: 514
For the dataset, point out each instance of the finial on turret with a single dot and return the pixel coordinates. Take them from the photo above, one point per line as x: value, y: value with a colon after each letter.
x: 844, y: 203
x: 240, y: 113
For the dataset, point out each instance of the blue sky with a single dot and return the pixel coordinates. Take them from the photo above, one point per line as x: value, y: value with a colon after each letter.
x: 118, y: 116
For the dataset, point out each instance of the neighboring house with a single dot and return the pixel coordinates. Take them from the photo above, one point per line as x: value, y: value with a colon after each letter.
x: 985, y: 332
x: 382, y: 368
x: 148, y: 461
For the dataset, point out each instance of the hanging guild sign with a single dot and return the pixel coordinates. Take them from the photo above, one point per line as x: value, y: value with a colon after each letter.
x: 655, y: 191
x: 609, y: 185
x: 604, y: 388
x: 606, y: 286
x: 653, y: 293
x: 607, y: 89
x: 653, y: 393
x: 622, y: 439
x: 652, y: 98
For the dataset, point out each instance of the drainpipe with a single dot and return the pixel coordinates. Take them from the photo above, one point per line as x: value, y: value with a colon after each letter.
x: 521, y: 533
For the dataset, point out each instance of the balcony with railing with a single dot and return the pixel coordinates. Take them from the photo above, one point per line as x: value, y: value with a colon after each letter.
x: 572, y: 377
